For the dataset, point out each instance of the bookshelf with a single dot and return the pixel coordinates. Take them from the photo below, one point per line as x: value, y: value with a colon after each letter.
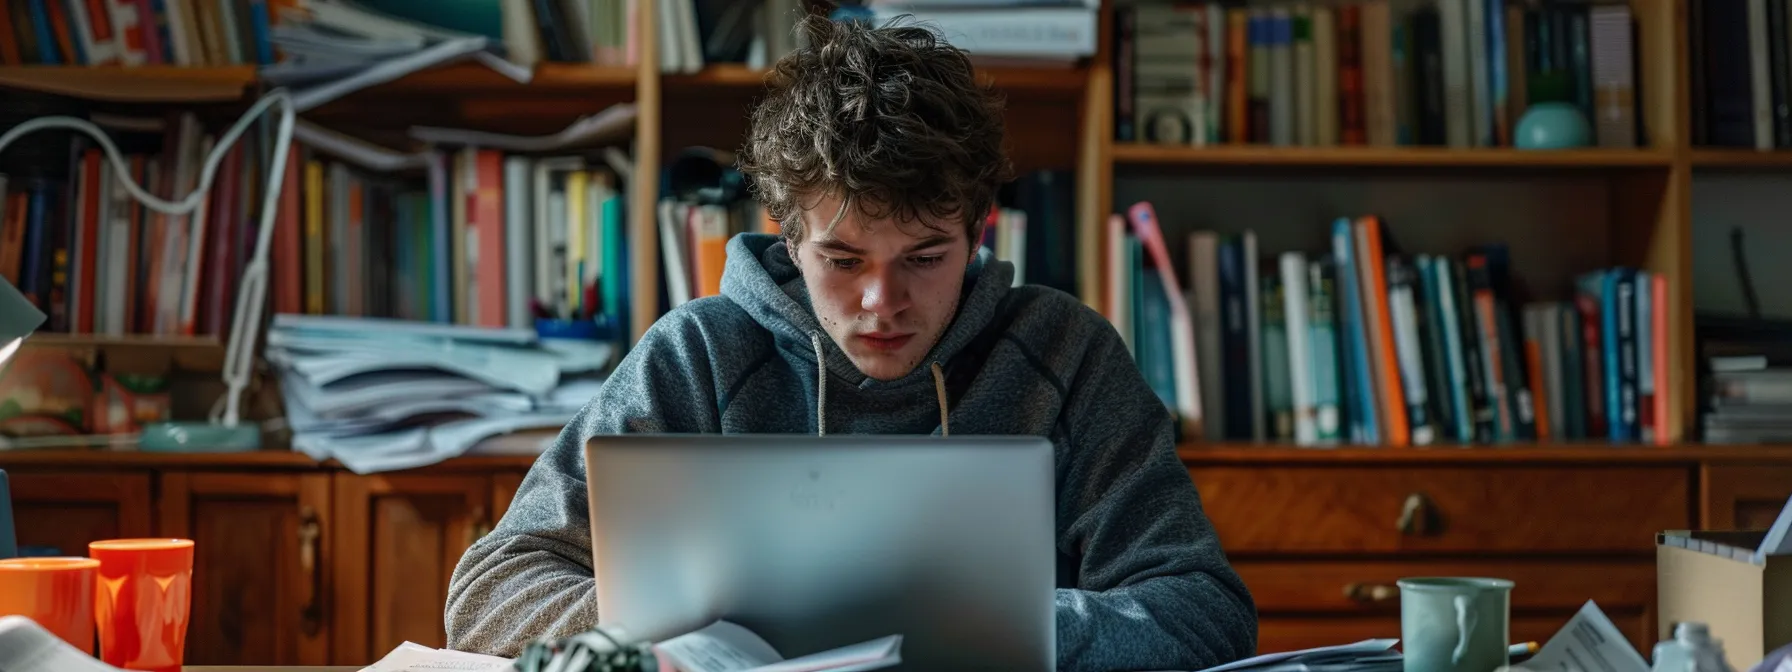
x: 1060, y: 117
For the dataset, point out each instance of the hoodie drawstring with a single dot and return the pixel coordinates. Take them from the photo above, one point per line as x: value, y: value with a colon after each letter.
x: 939, y: 387
x: 821, y: 390
x: 821, y: 386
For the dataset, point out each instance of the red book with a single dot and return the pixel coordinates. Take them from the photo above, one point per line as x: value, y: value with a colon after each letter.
x: 485, y: 219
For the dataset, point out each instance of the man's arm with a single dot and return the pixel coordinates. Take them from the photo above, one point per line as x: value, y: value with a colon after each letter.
x: 1154, y: 590
x: 531, y: 577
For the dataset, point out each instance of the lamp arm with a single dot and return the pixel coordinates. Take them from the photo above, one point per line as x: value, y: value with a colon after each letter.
x: 239, y: 354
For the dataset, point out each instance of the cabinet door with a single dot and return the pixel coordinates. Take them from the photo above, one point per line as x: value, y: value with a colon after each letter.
x: 60, y: 512
x: 1745, y: 497
x: 397, y: 540
x: 260, y: 568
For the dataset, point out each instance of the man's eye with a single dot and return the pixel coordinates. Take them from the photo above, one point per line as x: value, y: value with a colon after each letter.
x: 928, y: 261
x: 843, y: 264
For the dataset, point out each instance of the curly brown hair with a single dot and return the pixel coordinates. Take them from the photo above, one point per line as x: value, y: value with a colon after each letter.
x: 889, y: 119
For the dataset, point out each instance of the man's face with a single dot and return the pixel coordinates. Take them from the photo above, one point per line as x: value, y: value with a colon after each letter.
x: 884, y: 291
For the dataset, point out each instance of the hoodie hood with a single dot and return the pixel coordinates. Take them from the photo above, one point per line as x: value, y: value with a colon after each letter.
x: 761, y: 279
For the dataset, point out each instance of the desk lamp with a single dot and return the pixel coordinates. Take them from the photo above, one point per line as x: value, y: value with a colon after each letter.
x: 224, y: 431
x: 18, y: 318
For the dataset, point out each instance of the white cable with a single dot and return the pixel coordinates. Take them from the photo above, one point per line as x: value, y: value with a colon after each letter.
x: 246, y: 321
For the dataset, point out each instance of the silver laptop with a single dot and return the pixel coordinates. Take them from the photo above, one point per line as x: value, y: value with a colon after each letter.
x: 815, y: 543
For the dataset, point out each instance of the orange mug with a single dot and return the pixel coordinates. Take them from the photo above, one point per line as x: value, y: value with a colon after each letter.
x: 142, y: 600
x: 57, y: 593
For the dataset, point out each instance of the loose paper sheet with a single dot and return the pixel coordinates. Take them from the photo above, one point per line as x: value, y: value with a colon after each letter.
x: 1588, y: 643
x: 413, y: 657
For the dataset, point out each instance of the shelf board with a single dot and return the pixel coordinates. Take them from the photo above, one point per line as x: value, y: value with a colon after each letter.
x: 1741, y: 158
x: 61, y: 340
x: 473, y: 78
x: 1391, y: 157
x: 141, y: 84
x: 1564, y: 452
x: 1011, y: 80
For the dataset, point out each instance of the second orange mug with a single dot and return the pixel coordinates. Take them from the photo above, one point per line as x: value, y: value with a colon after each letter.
x: 142, y: 600
x: 57, y: 593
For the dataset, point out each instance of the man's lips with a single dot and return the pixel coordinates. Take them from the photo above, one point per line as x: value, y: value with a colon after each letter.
x: 887, y: 341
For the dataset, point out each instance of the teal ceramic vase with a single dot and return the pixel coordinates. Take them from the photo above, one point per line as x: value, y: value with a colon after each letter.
x: 1553, y: 126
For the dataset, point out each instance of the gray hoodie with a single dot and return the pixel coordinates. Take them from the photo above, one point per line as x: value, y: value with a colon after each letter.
x: 1143, y: 584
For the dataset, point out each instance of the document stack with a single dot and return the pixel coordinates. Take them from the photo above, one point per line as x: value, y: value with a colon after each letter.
x: 381, y: 394
x: 1369, y: 655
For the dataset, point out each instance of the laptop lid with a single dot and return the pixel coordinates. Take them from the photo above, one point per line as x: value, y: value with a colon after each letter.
x: 819, y: 542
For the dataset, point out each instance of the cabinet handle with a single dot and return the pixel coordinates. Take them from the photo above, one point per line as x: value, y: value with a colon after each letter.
x: 311, y: 615
x: 1417, y: 517
x: 1369, y: 593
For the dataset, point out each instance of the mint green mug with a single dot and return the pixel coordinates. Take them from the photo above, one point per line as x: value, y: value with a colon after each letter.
x: 1453, y: 624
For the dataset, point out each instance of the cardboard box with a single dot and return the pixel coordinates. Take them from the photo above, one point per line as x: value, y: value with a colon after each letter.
x: 1737, y: 583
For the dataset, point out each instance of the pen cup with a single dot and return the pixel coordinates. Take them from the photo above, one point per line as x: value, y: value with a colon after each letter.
x: 56, y: 593
x: 142, y: 601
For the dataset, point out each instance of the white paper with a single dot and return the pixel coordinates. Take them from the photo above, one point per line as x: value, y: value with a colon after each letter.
x: 610, y: 125
x: 26, y: 646
x: 1367, y: 647
x: 413, y: 657
x: 1588, y: 643
x: 719, y: 647
x: 725, y: 647
x: 363, y: 154
x: 385, y: 71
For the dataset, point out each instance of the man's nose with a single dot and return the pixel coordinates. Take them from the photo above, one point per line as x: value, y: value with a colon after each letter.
x: 885, y: 293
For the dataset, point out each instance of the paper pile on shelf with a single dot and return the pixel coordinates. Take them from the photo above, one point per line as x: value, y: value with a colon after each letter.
x: 336, y: 47
x: 379, y: 394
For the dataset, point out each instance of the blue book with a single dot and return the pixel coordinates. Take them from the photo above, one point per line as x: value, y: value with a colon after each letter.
x: 1359, y: 381
x: 47, y: 53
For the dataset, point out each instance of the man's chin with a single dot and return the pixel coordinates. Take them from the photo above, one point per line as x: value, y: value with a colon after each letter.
x: 883, y: 366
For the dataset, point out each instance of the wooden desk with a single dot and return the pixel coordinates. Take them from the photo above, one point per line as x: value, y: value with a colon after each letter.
x: 1319, y: 536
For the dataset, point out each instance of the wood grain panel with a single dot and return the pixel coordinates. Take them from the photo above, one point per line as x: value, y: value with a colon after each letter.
x: 65, y: 511
x: 1744, y: 497
x: 1494, y: 509
x: 257, y: 588
x: 1368, y: 587
x: 398, y: 538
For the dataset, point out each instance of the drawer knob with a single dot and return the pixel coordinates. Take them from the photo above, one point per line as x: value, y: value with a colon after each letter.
x: 1369, y: 593
x: 1418, y: 516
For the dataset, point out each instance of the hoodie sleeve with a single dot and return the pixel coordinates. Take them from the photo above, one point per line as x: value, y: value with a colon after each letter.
x: 532, y: 577
x: 1154, y: 590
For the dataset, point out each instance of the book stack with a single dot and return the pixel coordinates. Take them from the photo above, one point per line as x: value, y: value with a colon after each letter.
x: 380, y: 394
x: 1459, y: 73
x: 1019, y: 32
x: 1367, y: 343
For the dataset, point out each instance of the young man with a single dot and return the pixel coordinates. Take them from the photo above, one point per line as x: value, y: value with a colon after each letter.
x: 876, y: 311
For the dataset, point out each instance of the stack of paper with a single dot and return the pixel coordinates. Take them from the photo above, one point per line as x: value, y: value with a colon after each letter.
x: 335, y: 47
x: 1369, y: 655
x: 379, y: 394
x: 414, y: 657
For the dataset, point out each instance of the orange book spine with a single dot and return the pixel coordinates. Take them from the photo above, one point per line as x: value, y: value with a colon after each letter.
x: 487, y: 221
x: 9, y: 48
x: 1238, y: 76
x: 12, y: 234
x: 1393, y: 399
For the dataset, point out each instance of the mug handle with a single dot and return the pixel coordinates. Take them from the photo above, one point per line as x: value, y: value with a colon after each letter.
x: 1466, y: 619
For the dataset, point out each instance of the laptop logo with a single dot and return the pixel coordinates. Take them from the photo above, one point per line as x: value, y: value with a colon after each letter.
x: 813, y: 495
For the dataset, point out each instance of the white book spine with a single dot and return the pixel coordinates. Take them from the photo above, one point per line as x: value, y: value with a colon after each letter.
x: 518, y: 221
x: 1453, y: 19
x: 117, y: 262
x: 1480, y: 85
x: 1119, y: 280
x: 1300, y: 361
x: 1405, y: 322
x: 1760, y: 75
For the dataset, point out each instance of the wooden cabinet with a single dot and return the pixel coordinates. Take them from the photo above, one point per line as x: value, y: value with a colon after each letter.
x: 397, y: 540
x: 1321, y: 543
x: 60, y: 511
x: 1745, y: 496
x: 260, y: 564
x: 302, y: 563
